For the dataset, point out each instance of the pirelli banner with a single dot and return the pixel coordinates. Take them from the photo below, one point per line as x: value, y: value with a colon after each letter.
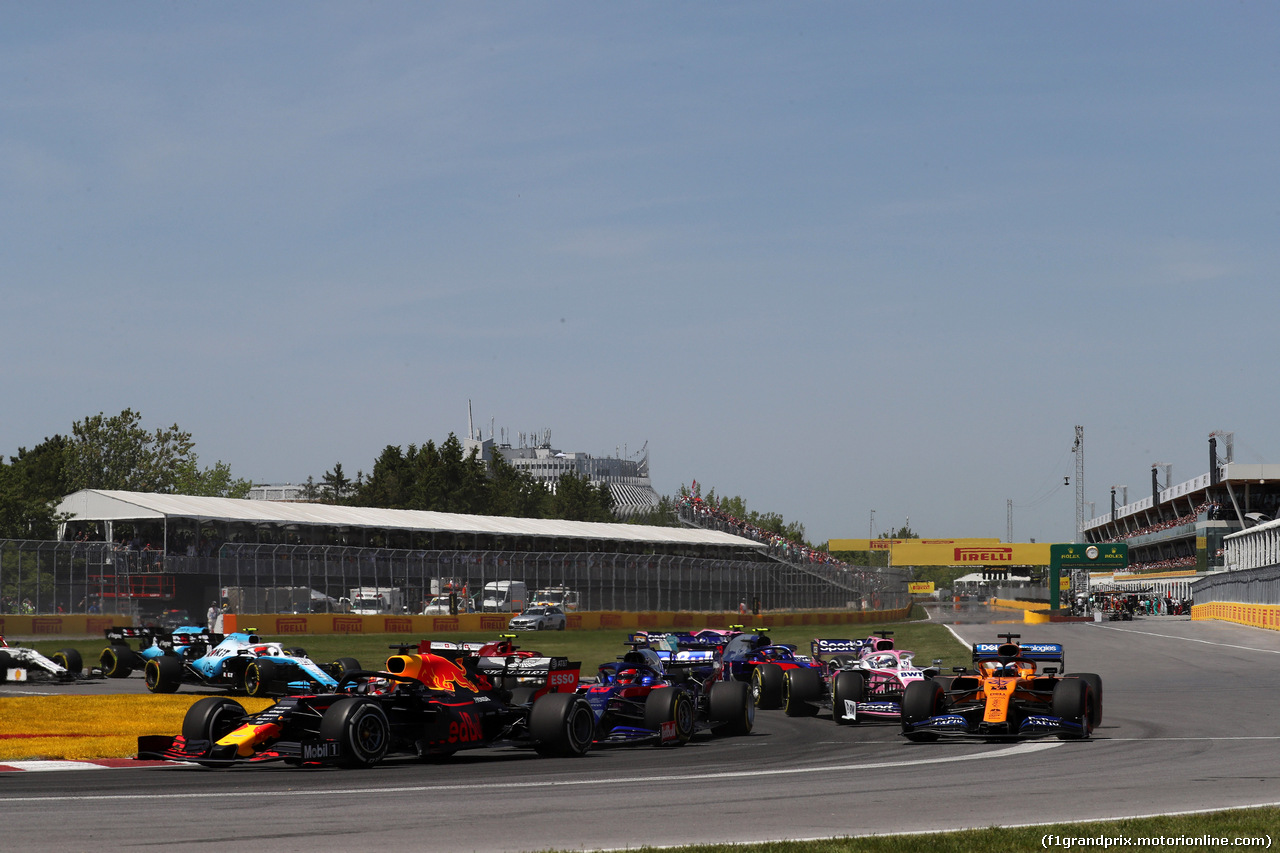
x: 921, y: 553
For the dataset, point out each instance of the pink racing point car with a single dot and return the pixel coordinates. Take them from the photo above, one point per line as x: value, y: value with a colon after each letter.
x: 863, y: 680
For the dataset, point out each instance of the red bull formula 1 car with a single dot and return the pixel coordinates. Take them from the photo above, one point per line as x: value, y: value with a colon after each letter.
x: 1005, y: 695
x: 426, y: 703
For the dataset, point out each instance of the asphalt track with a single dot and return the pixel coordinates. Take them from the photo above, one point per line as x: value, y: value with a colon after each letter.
x: 1190, y: 723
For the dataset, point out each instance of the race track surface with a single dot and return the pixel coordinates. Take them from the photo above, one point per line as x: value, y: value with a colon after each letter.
x: 1190, y: 723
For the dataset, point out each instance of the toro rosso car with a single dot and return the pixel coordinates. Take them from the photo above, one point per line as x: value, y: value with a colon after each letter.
x: 18, y: 663
x: 426, y: 703
x: 642, y: 699
x: 1005, y: 695
x: 863, y: 680
x: 751, y: 658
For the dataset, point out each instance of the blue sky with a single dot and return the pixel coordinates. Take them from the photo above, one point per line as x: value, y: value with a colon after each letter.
x: 831, y: 257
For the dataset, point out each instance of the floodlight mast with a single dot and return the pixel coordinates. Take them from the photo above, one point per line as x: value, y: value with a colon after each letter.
x: 1078, y: 450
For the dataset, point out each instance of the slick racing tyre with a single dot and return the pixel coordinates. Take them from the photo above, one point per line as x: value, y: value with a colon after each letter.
x: 1071, y: 701
x: 670, y: 704
x: 732, y: 708
x: 922, y: 700
x: 163, y: 674
x: 5, y: 663
x: 847, y: 687
x: 361, y: 730
x: 344, y: 665
x: 212, y: 719
x: 1095, y: 688
x: 562, y: 724
x: 799, y: 687
x: 68, y: 659
x: 115, y: 662
x: 258, y: 678
x: 766, y: 684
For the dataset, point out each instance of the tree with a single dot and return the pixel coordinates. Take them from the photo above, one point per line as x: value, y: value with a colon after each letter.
x: 336, y: 484
x: 575, y: 499
x: 117, y: 453
x: 30, y: 488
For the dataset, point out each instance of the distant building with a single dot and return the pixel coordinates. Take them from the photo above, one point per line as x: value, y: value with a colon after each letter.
x: 626, y: 477
x: 1182, y: 526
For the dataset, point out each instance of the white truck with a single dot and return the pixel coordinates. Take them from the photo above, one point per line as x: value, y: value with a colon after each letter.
x: 372, y: 600
x: 560, y: 596
x: 504, y: 597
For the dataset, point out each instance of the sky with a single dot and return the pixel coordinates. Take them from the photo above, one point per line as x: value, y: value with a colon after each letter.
x: 862, y: 264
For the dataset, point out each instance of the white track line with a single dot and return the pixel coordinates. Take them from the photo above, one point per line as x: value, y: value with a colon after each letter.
x: 1190, y: 640
x: 1011, y: 752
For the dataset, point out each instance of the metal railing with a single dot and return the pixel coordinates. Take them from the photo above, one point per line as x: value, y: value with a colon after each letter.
x: 1250, y: 586
x: 83, y: 577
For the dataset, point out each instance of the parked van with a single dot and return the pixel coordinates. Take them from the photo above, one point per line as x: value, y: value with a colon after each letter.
x: 504, y: 597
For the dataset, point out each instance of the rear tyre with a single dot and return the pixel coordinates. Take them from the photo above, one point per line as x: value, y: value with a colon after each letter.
x: 670, y: 704
x: 922, y: 700
x: 163, y: 674
x: 1095, y: 688
x: 766, y: 684
x: 258, y: 677
x: 847, y: 687
x: 212, y: 719
x: 115, y: 662
x: 5, y: 662
x: 1071, y: 701
x: 68, y: 659
x: 732, y: 708
x: 360, y: 728
x: 799, y: 687
x: 562, y: 724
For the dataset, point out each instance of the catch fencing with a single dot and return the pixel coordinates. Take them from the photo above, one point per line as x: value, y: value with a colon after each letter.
x: 1251, y: 586
x: 93, y: 577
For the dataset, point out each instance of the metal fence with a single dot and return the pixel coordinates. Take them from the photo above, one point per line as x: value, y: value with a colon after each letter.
x: 1252, y: 586
x: 81, y: 577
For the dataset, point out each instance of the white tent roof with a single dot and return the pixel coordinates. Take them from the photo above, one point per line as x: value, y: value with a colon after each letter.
x: 106, y: 505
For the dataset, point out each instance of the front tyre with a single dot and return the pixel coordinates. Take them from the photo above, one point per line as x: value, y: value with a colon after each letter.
x: 920, y: 701
x: 1071, y: 701
x: 212, y: 719
x: 163, y: 674
x: 68, y: 659
x: 732, y: 708
x: 361, y: 730
x: 1095, y: 689
x: 562, y: 724
x: 848, y: 688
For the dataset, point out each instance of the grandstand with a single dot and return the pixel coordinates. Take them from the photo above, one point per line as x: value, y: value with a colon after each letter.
x: 1180, y: 527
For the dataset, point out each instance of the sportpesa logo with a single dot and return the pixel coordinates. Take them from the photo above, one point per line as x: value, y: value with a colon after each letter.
x: 984, y: 555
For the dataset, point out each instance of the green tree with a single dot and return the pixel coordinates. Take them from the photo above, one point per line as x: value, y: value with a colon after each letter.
x: 30, y: 487
x: 117, y: 453
x: 336, y: 485
x: 575, y: 499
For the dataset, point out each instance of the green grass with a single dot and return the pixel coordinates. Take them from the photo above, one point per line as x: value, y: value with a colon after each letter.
x: 1236, y: 823
x: 927, y: 640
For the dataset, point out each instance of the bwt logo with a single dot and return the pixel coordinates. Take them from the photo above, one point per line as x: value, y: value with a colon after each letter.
x: 984, y: 555
x: 291, y: 626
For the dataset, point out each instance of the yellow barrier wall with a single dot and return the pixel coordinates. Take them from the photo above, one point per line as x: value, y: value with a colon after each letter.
x: 1020, y: 605
x: 1255, y: 615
